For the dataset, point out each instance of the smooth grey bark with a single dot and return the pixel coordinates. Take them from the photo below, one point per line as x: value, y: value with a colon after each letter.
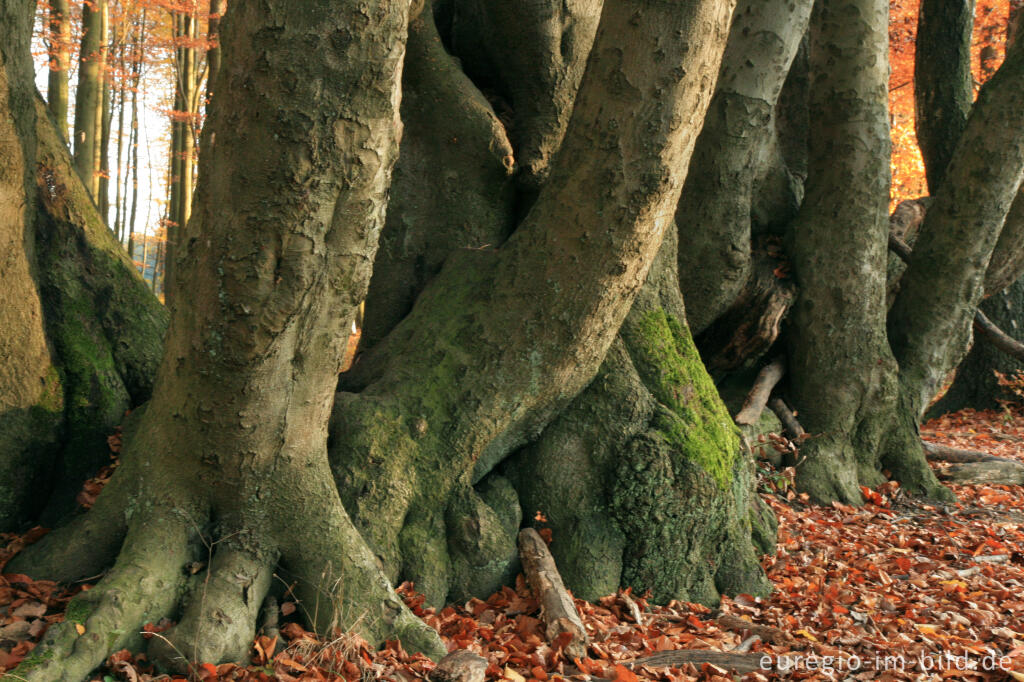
x: 452, y: 187
x: 975, y: 384
x: 842, y: 373
x: 714, y: 212
x: 501, y: 340
x: 1007, y: 263
x: 234, y: 439
x: 943, y: 84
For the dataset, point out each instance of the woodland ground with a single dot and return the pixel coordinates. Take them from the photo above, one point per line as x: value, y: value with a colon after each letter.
x: 894, y: 583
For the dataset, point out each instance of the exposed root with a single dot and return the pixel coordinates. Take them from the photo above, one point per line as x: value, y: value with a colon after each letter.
x: 824, y: 473
x: 144, y: 585
x: 339, y: 582
x: 943, y: 453
x: 82, y: 548
x: 904, y: 457
x: 220, y: 616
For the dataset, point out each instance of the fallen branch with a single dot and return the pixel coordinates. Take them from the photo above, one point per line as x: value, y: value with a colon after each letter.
x: 460, y: 666
x: 756, y: 400
x: 942, y: 453
x: 557, y: 610
x: 788, y: 419
x: 742, y: 663
x: 997, y: 337
x: 766, y: 633
x: 1001, y: 473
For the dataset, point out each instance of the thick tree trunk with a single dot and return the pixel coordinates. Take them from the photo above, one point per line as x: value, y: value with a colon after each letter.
x: 642, y: 479
x: 82, y: 335
x: 714, y: 213
x: 503, y: 339
x: 104, y: 326
x: 975, y: 384
x: 234, y: 440
x: 943, y: 84
x: 452, y: 185
x: 930, y: 320
x: 31, y: 402
x: 533, y: 53
x: 842, y: 374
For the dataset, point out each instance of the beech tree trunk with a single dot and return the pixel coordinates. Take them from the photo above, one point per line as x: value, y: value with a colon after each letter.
x: 31, y: 402
x: 975, y: 384
x: 526, y: 346
x: 943, y: 83
x: 843, y: 376
x: 81, y: 336
x: 714, y: 213
x: 278, y: 257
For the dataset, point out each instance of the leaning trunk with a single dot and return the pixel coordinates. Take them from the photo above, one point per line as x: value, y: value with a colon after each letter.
x: 31, y: 402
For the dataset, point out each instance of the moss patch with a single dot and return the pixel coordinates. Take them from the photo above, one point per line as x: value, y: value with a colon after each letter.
x: 696, y: 421
x: 78, y: 611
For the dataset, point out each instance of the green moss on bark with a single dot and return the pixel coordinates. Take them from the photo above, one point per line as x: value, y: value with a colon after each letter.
x: 696, y: 422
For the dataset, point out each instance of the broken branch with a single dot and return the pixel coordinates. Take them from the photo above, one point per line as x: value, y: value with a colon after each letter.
x: 557, y: 610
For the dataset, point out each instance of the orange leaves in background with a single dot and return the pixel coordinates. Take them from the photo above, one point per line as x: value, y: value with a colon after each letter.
x: 987, y: 48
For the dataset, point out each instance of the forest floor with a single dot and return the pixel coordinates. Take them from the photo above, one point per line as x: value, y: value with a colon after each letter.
x: 893, y: 590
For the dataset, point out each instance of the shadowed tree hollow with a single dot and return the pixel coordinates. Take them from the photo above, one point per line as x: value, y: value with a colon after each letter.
x: 535, y: 231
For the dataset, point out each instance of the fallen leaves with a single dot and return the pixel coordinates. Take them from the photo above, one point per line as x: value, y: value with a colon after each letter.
x: 895, y: 590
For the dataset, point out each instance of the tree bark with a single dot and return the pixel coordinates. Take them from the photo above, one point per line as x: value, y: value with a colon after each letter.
x: 714, y: 211
x: 213, y: 51
x: 451, y: 133
x: 930, y: 320
x: 842, y: 374
x: 31, y: 401
x: 534, y: 53
x: 455, y: 408
x: 60, y: 63
x: 105, y: 327
x: 943, y: 84
x: 642, y: 479
x: 87, y: 96
x: 975, y: 384
x: 234, y: 439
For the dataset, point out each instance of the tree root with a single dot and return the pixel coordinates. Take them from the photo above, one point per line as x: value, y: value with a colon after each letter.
x: 220, y: 616
x: 941, y: 453
x: 756, y: 400
x: 1005, y: 472
x: 337, y: 578
x: 80, y: 549
x: 144, y: 586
